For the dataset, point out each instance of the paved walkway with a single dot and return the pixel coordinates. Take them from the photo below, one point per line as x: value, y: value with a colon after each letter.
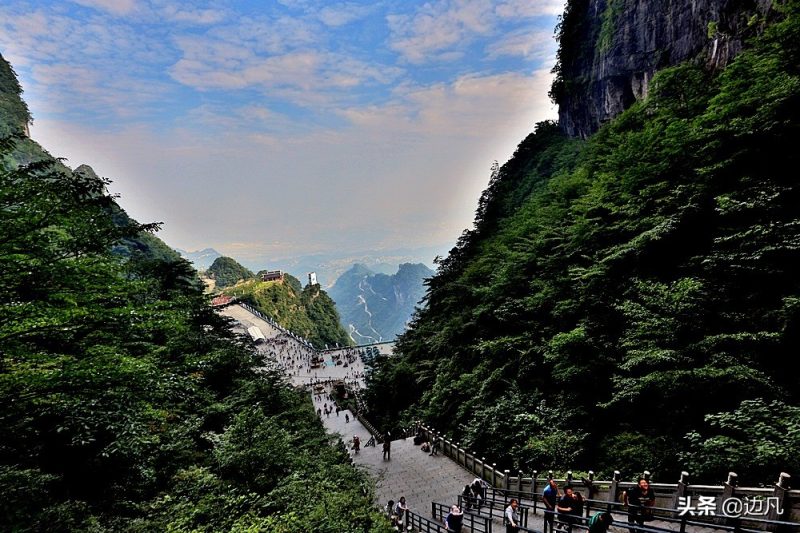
x: 410, y: 472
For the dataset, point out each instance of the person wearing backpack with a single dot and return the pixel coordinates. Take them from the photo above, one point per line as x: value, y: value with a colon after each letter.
x: 400, y: 509
x: 478, y: 491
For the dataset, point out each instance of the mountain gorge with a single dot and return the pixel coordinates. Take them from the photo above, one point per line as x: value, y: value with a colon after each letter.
x: 627, y: 298
x: 377, y: 307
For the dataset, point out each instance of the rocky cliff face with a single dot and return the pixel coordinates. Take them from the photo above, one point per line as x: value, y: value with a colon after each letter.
x: 610, y: 49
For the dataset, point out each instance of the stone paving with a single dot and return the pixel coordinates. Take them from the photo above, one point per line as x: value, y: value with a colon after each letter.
x: 412, y: 473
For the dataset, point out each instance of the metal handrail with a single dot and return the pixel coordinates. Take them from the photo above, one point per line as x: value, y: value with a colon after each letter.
x: 491, y: 505
x: 475, y: 522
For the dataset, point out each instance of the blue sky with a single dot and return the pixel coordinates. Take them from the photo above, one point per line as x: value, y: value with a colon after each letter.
x: 280, y: 128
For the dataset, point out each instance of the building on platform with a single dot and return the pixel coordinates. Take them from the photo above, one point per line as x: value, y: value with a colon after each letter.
x: 312, y: 278
x: 272, y: 275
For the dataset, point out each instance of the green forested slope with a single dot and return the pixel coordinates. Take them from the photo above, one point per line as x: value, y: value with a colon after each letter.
x: 125, y: 403
x: 226, y: 272
x: 14, y: 113
x: 305, y: 311
x: 631, y: 301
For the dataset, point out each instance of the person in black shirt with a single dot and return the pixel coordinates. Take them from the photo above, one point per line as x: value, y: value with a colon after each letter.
x: 638, y: 499
x: 467, y: 497
x: 568, y: 506
x: 454, y: 519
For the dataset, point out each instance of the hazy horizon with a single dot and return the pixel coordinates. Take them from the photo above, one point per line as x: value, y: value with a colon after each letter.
x: 291, y: 128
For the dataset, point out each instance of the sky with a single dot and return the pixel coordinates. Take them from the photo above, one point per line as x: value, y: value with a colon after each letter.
x: 289, y: 127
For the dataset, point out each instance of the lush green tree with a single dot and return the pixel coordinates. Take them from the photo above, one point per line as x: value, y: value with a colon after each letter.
x: 227, y: 272
x: 756, y: 437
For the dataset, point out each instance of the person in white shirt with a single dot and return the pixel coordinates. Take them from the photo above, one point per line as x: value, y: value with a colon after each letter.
x: 512, y: 518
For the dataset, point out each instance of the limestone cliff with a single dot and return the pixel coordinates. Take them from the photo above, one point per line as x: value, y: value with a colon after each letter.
x: 610, y: 49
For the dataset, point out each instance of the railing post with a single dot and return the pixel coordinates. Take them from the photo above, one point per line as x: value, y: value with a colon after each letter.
x: 728, y: 490
x: 506, y: 478
x: 680, y: 489
x: 519, y: 483
x: 680, y: 492
x: 494, y: 474
x: 569, y: 477
x: 483, y: 468
x: 534, y: 489
x: 590, y: 492
x: 780, y: 493
x: 613, y: 490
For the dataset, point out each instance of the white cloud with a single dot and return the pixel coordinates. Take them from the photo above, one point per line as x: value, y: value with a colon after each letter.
x: 192, y: 16
x: 89, y: 66
x: 441, y: 30
x: 529, y: 8
x: 115, y: 7
x: 524, y: 43
x: 471, y: 106
x: 342, y: 14
x: 438, y: 26
x: 303, y: 75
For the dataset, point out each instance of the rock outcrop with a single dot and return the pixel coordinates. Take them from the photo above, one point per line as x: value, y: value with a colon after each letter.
x: 610, y: 49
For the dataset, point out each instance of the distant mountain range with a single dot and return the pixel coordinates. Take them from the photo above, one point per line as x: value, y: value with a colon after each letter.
x: 328, y: 266
x: 201, y: 259
x: 374, y: 306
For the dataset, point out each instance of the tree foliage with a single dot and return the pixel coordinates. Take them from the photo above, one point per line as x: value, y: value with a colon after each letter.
x: 227, y: 272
